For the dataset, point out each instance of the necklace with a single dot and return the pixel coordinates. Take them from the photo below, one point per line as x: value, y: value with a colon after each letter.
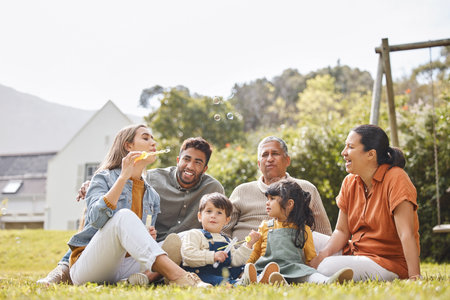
x: 366, y: 189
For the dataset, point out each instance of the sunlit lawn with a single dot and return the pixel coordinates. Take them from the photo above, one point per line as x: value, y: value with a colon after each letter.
x: 27, y: 255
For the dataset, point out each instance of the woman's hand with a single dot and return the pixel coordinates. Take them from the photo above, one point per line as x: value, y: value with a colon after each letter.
x: 220, y: 256
x: 337, y: 241
x: 315, y: 262
x: 128, y: 164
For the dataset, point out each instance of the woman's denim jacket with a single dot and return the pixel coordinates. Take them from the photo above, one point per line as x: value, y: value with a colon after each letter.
x: 98, y: 213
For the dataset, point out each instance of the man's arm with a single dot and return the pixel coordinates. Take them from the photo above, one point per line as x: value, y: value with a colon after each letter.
x: 321, y: 221
x: 235, y: 215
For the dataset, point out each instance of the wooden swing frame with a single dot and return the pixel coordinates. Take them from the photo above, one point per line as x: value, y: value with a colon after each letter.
x: 384, y: 67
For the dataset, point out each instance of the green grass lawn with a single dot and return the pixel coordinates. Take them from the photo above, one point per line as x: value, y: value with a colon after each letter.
x: 27, y: 255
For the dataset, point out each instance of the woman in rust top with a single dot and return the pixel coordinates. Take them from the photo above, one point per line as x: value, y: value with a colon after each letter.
x: 377, y: 228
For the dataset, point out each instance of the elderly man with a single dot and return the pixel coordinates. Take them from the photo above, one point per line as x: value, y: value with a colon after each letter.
x: 180, y: 188
x: 249, y: 201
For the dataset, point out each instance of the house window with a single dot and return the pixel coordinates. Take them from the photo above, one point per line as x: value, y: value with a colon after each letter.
x: 89, y: 170
x: 12, y: 186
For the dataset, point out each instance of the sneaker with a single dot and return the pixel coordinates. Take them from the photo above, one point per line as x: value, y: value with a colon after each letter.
x: 341, y: 276
x: 268, y: 269
x: 277, y: 279
x: 172, y: 246
x: 250, y: 275
x: 137, y: 279
x: 189, y: 279
x: 60, y: 274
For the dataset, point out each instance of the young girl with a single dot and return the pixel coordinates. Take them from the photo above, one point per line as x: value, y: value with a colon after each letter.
x: 201, y: 248
x: 286, y: 240
x: 115, y: 244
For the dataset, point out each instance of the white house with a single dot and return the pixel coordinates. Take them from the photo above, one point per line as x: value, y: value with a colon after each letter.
x: 76, y: 162
x: 47, y: 151
x: 22, y: 190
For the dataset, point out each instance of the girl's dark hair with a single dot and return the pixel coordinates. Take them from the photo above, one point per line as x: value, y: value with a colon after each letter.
x: 301, y: 214
x: 218, y: 200
x: 373, y: 137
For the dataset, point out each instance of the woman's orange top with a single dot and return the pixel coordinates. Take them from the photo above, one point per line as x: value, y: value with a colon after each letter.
x: 371, y: 220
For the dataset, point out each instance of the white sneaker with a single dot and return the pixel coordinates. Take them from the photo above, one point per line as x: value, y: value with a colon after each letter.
x: 60, y: 274
x: 172, y: 246
x: 268, y: 269
x: 138, y: 279
x: 250, y: 275
x: 277, y: 279
x: 189, y: 279
x: 344, y: 274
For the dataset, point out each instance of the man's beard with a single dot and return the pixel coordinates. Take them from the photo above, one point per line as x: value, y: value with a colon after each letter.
x: 194, y: 180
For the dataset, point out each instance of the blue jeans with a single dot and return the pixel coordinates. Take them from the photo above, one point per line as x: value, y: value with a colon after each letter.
x: 65, y: 259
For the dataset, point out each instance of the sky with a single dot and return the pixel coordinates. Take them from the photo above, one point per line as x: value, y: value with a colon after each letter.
x: 83, y: 53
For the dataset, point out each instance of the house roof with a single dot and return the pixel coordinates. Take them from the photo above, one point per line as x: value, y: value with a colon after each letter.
x: 29, y: 170
x: 27, y: 165
x: 29, y: 124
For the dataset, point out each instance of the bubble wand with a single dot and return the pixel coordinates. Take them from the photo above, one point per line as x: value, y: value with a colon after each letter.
x: 145, y: 154
x: 227, y: 249
x: 247, y: 239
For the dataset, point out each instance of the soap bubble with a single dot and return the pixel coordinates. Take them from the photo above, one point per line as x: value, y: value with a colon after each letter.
x: 230, y: 116
x: 3, y: 211
x: 216, y: 100
x: 217, y: 117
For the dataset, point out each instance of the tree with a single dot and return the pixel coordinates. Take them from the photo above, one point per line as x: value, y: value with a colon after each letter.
x: 179, y: 116
x: 347, y: 80
x: 251, y: 101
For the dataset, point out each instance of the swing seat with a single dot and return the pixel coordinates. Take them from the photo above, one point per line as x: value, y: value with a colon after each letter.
x: 443, y: 228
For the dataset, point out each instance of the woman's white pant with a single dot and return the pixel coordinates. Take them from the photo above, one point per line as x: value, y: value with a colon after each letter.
x: 104, y: 259
x: 363, y: 267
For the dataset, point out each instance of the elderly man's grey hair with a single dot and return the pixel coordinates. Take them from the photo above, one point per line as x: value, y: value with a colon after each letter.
x: 271, y: 139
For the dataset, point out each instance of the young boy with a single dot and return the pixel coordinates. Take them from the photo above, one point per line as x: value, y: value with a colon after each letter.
x: 201, y: 248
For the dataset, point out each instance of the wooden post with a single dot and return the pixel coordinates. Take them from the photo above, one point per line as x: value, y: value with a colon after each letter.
x: 376, y: 94
x: 412, y: 46
x: 390, y: 91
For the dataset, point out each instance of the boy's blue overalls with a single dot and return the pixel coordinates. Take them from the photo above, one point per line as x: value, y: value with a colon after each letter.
x: 213, y: 275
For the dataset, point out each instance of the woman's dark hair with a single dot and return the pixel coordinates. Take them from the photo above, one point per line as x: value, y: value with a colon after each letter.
x: 373, y: 137
x: 301, y: 214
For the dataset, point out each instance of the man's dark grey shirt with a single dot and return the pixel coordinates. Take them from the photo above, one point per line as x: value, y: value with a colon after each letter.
x: 179, y: 206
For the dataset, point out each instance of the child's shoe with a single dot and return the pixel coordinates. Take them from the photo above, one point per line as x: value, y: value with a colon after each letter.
x: 250, y: 276
x: 277, y: 279
x: 341, y: 276
x: 268, y: 269
x: 172, y: 246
